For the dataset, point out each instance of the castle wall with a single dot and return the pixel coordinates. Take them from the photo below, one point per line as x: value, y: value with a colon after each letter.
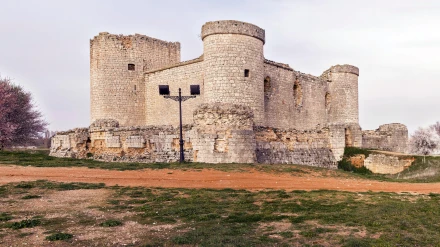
x: 309, y: 96
x: 230, y: 49
x: 161, y: 111
x: 310, y: 147
x: 115, y: 91
x: 278, y: 96
x: 388, y: 137
x: 224, y: 133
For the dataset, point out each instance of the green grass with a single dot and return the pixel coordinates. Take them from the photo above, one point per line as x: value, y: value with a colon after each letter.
x: 40, y: 158
x: 27, y: 197
x: 227, y: 217
x: 236, y: 216
x: 5, y: 217
x: 59, y: 236
x: 27, y: 223
x: 111, y: 223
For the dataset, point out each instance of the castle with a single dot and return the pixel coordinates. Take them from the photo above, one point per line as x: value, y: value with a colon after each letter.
x: 247, y: 108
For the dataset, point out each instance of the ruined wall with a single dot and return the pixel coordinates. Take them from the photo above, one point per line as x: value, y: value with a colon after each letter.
x: 161, y: 111
x: 72, y: 143
x: 309, y: 147
x: 224, y: 134
x: 389, y: 137
x: 115, y: 90
x: 233, y: 57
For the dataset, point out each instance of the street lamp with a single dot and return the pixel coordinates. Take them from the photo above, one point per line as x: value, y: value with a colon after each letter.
x: 164, y: 90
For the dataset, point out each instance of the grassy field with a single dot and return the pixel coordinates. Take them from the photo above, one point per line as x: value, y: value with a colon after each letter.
x: 40, y: 213
x: 420, y: 171
x: 30, y: 213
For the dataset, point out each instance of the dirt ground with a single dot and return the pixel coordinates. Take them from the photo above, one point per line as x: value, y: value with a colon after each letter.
x: 167, y: 178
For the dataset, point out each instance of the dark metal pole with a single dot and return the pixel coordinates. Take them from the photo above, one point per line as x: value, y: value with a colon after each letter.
x: 182, y: 155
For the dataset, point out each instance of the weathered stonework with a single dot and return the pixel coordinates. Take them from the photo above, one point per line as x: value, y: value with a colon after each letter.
x: 388, y: 137
x: 386, y: 164
x: 250, y: 109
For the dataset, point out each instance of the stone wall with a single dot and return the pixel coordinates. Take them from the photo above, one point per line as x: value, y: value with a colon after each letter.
x: 386, y: 164
x: 278, y: 95
x: 389, y: 137
x: 117, y: 91
x: 73, y: 143
x: 312, y: 148
x: 161, y: 111
x: 224, y: 134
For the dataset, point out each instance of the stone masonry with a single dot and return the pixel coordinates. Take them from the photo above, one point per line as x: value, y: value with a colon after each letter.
x: 249, y: 109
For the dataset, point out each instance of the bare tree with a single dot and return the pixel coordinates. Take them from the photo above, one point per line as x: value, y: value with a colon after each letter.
x: 424, y: 142
x: 20, y: 122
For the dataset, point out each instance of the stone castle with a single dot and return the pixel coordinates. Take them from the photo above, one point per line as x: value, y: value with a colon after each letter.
x: 247, y: 109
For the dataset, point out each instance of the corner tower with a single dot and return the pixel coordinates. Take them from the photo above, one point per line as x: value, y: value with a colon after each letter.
x: 343, y: 89
x: 343, y: 112
x: 233, y: 57
x: 117, y: 65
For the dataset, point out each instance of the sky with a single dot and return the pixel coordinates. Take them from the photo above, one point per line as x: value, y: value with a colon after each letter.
x: 44, y: 47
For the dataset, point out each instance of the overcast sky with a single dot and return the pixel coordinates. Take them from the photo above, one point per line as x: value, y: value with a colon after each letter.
x: 44, y: 46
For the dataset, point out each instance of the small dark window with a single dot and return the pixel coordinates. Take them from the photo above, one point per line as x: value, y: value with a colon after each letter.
x: 134, y: 87
x: 246, y: 73
x: 195, y: 89
x: 164, y: 90
x: 131, y: 66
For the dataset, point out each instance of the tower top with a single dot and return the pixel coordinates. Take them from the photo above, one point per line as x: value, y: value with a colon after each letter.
x: 233, y: 27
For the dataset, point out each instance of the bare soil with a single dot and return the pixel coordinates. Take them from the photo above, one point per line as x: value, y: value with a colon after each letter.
x: 207, y: 178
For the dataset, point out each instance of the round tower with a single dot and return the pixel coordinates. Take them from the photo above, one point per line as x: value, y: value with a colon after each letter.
x: 233, y: 57
x: 343, y: 90
x: 117, y: 65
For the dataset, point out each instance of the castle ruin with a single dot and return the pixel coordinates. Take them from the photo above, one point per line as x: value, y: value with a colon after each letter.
x: 247, y: 109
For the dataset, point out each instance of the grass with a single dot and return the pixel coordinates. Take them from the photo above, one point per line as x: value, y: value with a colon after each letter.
x: 40, y: 158
x: 59, y: 236
x: 111, y: 223
x: 227, y: 217
x: 27, y: 223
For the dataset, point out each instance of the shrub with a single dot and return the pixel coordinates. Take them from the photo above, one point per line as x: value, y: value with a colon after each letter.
x: 111, y: 223
x: 59, y: 236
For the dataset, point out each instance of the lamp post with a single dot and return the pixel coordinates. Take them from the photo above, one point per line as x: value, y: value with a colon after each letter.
x: 180, y: 98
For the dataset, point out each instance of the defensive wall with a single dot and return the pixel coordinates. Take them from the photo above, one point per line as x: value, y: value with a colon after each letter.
x: 388, y: 137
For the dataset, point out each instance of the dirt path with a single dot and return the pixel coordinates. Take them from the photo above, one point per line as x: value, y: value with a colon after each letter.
x: 252, y: 180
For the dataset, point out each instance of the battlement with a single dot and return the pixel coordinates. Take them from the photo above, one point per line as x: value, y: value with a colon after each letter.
x: 127, y: 40
x: 233, y: 27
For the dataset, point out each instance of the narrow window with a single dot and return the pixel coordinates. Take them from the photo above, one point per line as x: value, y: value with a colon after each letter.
x: 297, y: 93
x: 246, y: 73
x: 164, y: 90
x: 328, y: 100
x: 131, y: 66
x: 134, y: 87
x: 195, y: 89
